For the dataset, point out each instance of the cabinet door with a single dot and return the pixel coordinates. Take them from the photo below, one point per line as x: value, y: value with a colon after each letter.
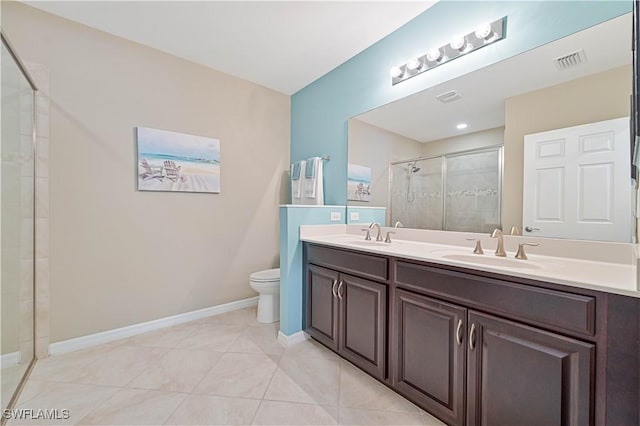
x: 430, y: 362
x: 519, y: 375
x: 322, y: 306
x: 363, y: 325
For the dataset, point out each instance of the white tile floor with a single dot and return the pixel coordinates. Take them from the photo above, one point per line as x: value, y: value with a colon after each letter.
x: 222, y: 370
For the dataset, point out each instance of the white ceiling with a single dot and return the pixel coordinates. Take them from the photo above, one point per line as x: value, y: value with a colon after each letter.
x: 281, y: 45
x: 423, y: 118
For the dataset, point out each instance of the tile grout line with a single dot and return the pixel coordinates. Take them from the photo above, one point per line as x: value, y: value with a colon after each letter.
x: 204, y: 376
x: 100, y: 404
x: 176, y: 409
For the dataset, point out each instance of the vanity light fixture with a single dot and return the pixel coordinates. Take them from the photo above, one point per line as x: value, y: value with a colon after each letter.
x: 483, y: 35
x: 458, y: 43
x: 484, y: 32
x: 396, y: 72
x: 414, y: 64
x: 461, y: 126
x: 434, y: 55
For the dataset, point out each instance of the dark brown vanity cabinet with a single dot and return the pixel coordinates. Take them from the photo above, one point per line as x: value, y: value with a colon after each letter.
x: 520, y: 375
x: 515, y: 374
x: 322, y: 306
x: 430, y: 354
x: 477, y: 348
x: 349, y: 315
x: 507, y: 371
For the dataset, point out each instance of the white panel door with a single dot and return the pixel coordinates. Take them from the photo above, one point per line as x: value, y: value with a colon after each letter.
x: 577, y: 182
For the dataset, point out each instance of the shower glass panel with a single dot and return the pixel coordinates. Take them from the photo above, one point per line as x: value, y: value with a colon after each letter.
x: 416, y: 193
x: 16, y: 227
x: 473, y: 188
x: 471, y: 182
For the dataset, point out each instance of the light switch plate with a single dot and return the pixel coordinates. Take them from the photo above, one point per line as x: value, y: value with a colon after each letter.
x: 354, y: 216
x: 335, y: 216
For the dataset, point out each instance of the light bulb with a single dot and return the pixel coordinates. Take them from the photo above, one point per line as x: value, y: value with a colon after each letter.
x: 461, y: 126
x: 484, y: 31
x: 414, y: 64
x: 458, y: 43
x: 434, y: 55
x: 396, y: 72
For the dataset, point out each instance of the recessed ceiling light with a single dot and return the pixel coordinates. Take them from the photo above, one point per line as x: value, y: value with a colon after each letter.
x: 461, y: 126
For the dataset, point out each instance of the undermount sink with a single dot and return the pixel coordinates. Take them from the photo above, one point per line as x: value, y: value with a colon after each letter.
x: 489, y: 260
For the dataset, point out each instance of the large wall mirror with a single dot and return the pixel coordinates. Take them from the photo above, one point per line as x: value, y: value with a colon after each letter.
x: 453, y: 157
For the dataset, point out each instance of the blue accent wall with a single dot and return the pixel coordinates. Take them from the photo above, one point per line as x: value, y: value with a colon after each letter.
x: 291, y: 217
x: 320, y: 111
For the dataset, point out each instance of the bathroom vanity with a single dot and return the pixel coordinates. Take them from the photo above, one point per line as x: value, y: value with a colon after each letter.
x: 471, y: 345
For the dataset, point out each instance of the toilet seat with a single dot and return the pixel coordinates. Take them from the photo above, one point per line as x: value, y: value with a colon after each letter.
x: 265, y: 276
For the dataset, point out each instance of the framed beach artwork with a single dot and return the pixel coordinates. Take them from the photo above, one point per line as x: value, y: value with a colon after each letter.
x: 177, y: 162
x: 358, y: 183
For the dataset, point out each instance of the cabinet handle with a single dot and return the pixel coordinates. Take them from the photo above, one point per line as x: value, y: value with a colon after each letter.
x: 340, y: 290
x: 472, y: 337
x: 459, y: 332
x: 333, y: 288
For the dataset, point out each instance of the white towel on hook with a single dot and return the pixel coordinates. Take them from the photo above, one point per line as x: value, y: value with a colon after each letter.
x: 313, y: 186
x: 297, y: 177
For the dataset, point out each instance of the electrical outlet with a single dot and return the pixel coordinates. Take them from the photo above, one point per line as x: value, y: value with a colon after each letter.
x: 335, y: 216
x: 354, y: 216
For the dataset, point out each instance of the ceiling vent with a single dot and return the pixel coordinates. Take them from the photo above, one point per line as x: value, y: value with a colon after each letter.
x: 571, y: 60
x: 449, y: 96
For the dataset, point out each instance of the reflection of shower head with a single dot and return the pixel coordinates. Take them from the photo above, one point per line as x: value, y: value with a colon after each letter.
x: 412, y: 167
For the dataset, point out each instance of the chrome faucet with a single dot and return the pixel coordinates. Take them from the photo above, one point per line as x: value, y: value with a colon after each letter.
x: 398, y: 225
x: 497, y: 233
x: 377, y: 226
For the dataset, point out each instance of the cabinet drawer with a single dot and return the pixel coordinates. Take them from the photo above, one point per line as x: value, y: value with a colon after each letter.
x: 565, y: 311
x: 347, y: 261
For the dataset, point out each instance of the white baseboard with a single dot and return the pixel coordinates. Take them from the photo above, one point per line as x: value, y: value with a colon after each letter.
x: 9, y: 360
x: 292, y: 339
x: 144, y: 327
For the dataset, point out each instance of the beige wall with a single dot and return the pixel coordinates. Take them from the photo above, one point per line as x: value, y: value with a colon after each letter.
x: 119, y: 256
x: 476, y: 140
x: 371, y: 146
x: 598, y: 97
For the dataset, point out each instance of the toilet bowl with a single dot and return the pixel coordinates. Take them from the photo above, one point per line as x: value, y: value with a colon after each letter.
x: 267, y: 284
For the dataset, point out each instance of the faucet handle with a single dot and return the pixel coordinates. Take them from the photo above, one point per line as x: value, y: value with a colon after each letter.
x: 515, y: 231
x: 478, y: 247
x: 388, y: 238
x: 521, y: 254
x: 368, y: 236
x: 398, y: 225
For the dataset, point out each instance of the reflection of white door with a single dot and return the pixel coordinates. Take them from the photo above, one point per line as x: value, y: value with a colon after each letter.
x: 577, y: 182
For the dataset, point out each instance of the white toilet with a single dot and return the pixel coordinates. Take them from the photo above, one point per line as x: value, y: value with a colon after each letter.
x: 267, y: 284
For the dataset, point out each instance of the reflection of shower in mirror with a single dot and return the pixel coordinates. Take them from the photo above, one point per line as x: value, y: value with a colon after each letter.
x: 411, y: 195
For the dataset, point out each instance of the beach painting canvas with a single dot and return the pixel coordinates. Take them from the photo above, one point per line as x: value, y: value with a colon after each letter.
x: 177, y: 162
x: 358, y: 183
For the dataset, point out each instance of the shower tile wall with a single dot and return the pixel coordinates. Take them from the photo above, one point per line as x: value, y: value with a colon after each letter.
x: 40, y: 74
x: 472, y: 192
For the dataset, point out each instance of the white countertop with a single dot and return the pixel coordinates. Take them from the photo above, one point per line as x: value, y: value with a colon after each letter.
x: 595, y: 271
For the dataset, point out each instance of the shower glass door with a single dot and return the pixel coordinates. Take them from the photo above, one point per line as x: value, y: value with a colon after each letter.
x: 16, y: 227
x: 455, y: 192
